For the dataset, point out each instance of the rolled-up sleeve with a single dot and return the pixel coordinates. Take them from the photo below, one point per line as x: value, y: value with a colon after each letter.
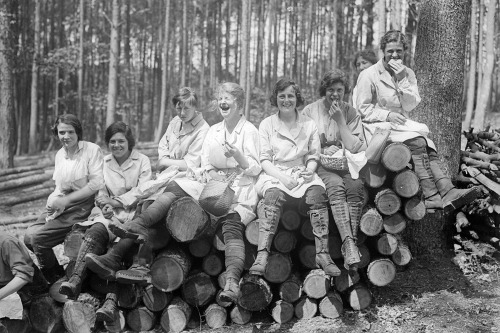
x: 408, y: 88
x: 16, y: 255
x: 95, y: 165
x: 366, y: 100
x: 266, y: 150
x: 314, y: 144
x: 193, y: 155
x: 251, y: 149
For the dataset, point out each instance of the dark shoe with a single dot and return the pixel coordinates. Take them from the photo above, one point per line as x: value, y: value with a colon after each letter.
x: 325, y: 262
x: 104, y: 266
x: 432, y: 196
x: 457, y: 198
x: 135, y: 274
x: 71, y: 288
x: 231, y: 291
x: 108, y: 311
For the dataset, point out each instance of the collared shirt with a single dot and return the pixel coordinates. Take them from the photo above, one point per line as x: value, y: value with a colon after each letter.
x: 15, y: 260
x: 84, y: 168
x: 280, y: 146
x: 122, y: 180
x: 328, y: 127
x: 377, y: 93
x: 184, y: 140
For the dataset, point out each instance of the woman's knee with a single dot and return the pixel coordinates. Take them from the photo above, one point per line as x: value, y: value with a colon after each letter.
x: 274, y: 196
x: 355, y: 191
x: 417, y: 145
x: 316, y: 197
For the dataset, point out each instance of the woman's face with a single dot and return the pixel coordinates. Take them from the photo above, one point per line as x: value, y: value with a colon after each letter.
x: 362, y: 64
x: 334, y: 92
x: 67, y: 135
x: 393, y: 50
x: 185, y: 112
x: 286, y: 100
x: 227, y: 104
x: 118, y: 145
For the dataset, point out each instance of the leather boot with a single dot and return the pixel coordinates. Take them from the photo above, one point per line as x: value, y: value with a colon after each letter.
x: 234, y: 256
x: 319, y: 223
x: 231, y: 291
x: 355, y: 209
x: 107, y: 264
x: 267, y: 228
x: 432, y: 198
x: 108, y: 311
x: 453, y: 197
x: 137, y: 229
x: 350, y: 252
x: 139, y: 271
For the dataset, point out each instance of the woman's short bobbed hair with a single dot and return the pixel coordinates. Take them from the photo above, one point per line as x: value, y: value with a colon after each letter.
x: 332, y: 77
x: 367, y: 54
x: 186, y: 96
x: 281, y: 85
x: 234, y: 90
x: 395, y: 36
x: 120, y: 127
x: 68, y: 119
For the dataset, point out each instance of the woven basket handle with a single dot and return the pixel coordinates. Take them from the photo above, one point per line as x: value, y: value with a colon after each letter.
x: 343, y: 148
x: 231, y: 177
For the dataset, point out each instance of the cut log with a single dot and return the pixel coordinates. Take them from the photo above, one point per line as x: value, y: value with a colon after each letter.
x: 169, y: 269
x: 279, y: 267
x: 141, y: 319
x: 72, y: 243
x: 306, y: 308
x: 20, y: 175
x: 78, y: 317
x: 406, y: 184
x: 284, y: 241
x: 54, y: 291
x: 387, y: 244
x: 307, y: 255
x: 291, y: 290
x: 381, y: 272
x: 218, y: 300
x: 200, y: 247
x: 255, y: 293
x: 402, y: 255
x: 395, y: 223
x: 239, y: 315
x: 118, y: 325
x: 414, y: 209
x: 396, y: 156
x: 371, y: 222
x: 250, y: 255
x: 128, y: 295
x: 17, y: 198
x: 345, y: 280
x: 331, y: 305
x: 316, y: 284
x: 387, y: 202
x: 213, y: 264
x: 176, y: 316
x: 335, y: 247
x: 290, y: 219
x: 24, y: 181
x: 252, y: 232
x: 186, y: 220
x: 282, y: 312
x: 18, y: 220
x: 20, y: 170
x: 95, y: 282
x: 221, y: 280
x: 218, y: 241
x: 364, y: 256
x: 374, y: 175
x: 194, y: 322
x: 216, y: 316
x: 155, y: 299
x: 306, y: 230
x: 359, y: 297
x: 198, y: 289
x: 159, y: 237
x: 46, y: 315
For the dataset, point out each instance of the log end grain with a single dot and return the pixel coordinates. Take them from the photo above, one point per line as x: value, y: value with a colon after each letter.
x: 239, y: 315
x: 306, y: 308
x: 406, y: 184
x: 395, y: 223
x: 169, y: 269
x: 387, y: 244
x: 290, y: 219
x: 199, y: 248
x: 316, y: 284
x: 284, y: 241
x: 198, y: 289
x: 414, y: 209
x: 186, y: 220
x: 282, y: 311
x: 176, y: 316
x: 387, y: 202
x: 216, y: 316
x: 279, y: 267
x: 252, y: 232
x: 307, y: 256
x: 331, y: 305
x: 155, y: 299
x: 381, y: 272
x: 371, y: 222
x: 402, y: 255
x: 141, y: 319
x: 256, y: 293
x: 359, y: 297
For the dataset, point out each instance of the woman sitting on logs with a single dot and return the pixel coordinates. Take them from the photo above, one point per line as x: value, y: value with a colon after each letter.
x: 179, y: 150
x: 232, y: 147
x: 124, y: 170
x: 386, y: 93
x: 290, y: 148
x: 339, y: 127
x: 78, y: 176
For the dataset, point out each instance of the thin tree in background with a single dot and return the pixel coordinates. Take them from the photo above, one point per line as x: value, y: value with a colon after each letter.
x: 80, y: 60
x: 164, y: 75
x: 471, y: 87
x: 7, y: 129
x: 485, y: 88
x: 245, y: 45
x: 113, y: 64
x: 183, y: 52
x: 33, y: 146
x: 381, y: 18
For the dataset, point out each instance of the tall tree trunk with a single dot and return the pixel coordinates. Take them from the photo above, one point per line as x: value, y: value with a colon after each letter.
x: 411, y: 32
x: 443, y: 23
x: 33, y: 143
x: 484, y: 97
x: 203, y: 19
x: 245, y: 43
x: 396, y: 14
x: 113, y: 64
x: 80, y: 61
x: 183, y: 52
x: 369, y: 23
x: 381, y: 17
x: 7, y: 126
x: 164, y: 76
x: 471, y: 87
x: 228, y: 39
x: 271, y: 24
x: 276, y: 43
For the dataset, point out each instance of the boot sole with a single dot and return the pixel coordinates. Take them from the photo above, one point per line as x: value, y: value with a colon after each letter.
x: 67, y: 290
x: 127, y: 278
x: 102, y: 271
x: 122, y: 233
x: 462, y: 201
x: 227, y: 298
x: 101, y: 316
x: 256, y: 273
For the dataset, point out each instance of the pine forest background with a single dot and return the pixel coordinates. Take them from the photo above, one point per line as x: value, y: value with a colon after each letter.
x: 107, y: 60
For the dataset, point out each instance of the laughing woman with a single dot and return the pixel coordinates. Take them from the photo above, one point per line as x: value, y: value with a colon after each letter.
x: 290, y: 148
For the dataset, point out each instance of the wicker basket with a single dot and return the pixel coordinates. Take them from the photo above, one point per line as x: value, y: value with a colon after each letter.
x: 217, y: 196
x: 334, y: 163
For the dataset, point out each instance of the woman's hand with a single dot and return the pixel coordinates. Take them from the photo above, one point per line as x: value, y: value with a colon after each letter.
x: 308, y: 175
x: 398, y: 68
x: 107, y: 211
x: 331, y: 150
x: 288, y: 181
x: 215, y: 175
x: 396, y: 118
x: 233, y: 151
x: 105, y: 200
x: 58, y: 205
x: 335, y: 111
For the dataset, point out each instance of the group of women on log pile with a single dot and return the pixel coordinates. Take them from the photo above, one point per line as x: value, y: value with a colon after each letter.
x: 287, y: 157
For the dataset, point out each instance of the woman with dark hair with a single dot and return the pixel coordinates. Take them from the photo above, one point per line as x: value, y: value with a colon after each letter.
x: 290, y: 148
x: 78, y: 176
x: 364, y: 59
x: 386, y: 94
x: 339, y: 126
x: 124, y: 170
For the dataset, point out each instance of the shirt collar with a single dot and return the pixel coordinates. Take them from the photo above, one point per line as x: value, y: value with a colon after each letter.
x: 80, y: 147
x: 239, y: 125
x: 189, y: 126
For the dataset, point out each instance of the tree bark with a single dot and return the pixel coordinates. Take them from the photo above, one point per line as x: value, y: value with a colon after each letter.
x: 80, y: 61
x: 443, y: 23
x: 381, y: 17
x: 471, y: 88
x: 113, y: 65
x: 164, y: 76
x: 33, y: 141
x: 245, y: 43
